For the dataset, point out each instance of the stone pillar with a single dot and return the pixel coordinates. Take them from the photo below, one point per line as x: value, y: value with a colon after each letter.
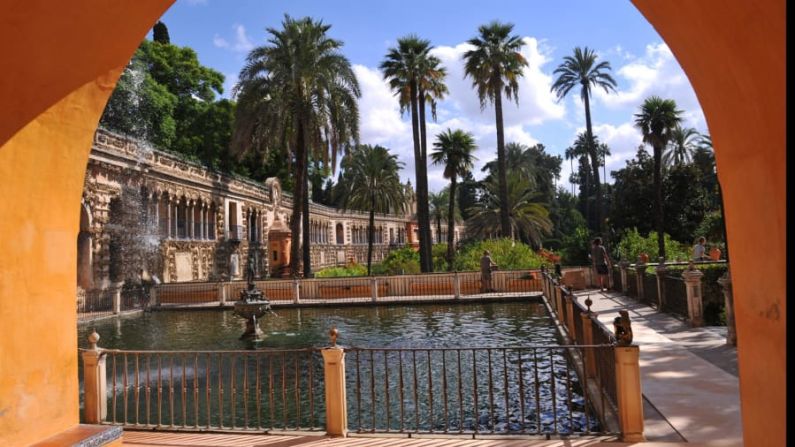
x: 660, y: 270
x: 95, y: 409
x: 692, y: 278
x: 189, y: 233
x: 117, y: 298
x: 156, y: 200
x: 623, y: 266
x: 456, y: 286
x: 222, y: 290
x: 374, y: 289
x: 630, y: 399
x: 334, y: 380
x: 725, y: 282
x: 168, y: 218
x: 296, y: 291
x: 640, y: 270
x: 154, y: 297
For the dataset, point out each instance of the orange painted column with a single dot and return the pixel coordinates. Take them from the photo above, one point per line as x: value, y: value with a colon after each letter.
x: 62, y: 60
x: 734, y: 54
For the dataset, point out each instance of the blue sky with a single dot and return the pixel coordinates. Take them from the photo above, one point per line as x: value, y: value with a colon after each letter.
x: 222, y: 33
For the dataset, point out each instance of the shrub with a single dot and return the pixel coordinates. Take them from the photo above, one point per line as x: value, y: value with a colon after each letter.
x: 633, y: 244
x: 506, y: 253
x: 403, y: 261
x: 576, y: 247
x: 337, y: 272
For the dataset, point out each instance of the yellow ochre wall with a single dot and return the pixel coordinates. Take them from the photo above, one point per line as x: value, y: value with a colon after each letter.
x: 61, y: 61
x: 734, y: 53
x: 62, y: 58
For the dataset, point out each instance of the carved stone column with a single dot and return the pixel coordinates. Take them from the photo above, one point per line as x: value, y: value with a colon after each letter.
x: 692, y: 278
x: 623, y: 265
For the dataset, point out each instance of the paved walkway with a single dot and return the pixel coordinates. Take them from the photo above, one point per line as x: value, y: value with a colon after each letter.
x: 688, y: 375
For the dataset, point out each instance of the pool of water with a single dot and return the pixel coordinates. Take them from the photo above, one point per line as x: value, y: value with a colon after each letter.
x: 408, y: 368
x: 449, y: 325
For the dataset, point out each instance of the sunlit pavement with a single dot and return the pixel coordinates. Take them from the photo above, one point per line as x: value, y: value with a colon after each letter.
x: 688, y: 375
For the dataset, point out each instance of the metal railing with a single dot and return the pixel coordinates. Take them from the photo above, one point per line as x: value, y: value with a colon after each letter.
x: 531, y: 390
x: 675, y: 295
x: 215, y: 390
x: 100, y: 303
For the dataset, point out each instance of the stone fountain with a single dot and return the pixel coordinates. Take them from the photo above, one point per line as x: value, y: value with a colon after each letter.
x: 252, y: 306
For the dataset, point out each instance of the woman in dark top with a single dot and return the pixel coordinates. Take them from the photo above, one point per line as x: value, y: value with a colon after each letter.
x: 601, y: 263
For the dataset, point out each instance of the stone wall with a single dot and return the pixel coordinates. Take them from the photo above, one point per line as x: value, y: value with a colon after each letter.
x: 206, y: 223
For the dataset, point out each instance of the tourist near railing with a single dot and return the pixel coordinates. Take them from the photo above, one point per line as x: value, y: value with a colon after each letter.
x: 531, y: 390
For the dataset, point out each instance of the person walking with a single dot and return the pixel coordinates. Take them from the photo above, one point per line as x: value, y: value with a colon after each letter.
x: 486, y: 266
x: 601, y: 263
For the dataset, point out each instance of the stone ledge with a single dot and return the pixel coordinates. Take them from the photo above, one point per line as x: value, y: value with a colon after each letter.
x: 84, y: 435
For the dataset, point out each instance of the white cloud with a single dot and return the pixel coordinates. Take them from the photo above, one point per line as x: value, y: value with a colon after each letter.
x: 242, y: 42
x: 655, y: 73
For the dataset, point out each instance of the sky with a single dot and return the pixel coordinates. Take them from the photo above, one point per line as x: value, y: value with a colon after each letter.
x: 224, y: 31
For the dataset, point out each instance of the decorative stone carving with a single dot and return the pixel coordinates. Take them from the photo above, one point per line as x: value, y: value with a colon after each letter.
x: 623, y: 328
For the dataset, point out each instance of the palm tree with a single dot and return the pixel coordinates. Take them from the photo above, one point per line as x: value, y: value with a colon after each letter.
x: 416, y: 78
x: 705, y: 142
x: 297, y: 94
x: 680, y: 149
x: 495, y: 65
x: 581, y: 70
x: 374, y: 186
x: 529, y: 219
x: 453, y: 149
x: 438, y: 201
x: 657, y: 120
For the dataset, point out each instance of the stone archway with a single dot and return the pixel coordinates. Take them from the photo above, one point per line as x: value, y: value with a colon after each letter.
x: 734, y: 54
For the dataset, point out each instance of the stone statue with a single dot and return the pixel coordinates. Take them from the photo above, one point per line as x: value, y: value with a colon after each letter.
x: 623, y: 328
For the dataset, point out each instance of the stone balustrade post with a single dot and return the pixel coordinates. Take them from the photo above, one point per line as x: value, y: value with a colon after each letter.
x: 623, y: 267
x: 456, y: 286
x: 692, y: 278
x: 725, y: 282
x: 117, y: 298
x: 374, y: 289
x: 630, y: 399
x: 154, y: 297
x: 223, y: 290
x: 640, y: 270
x: 334, y: 381
x: 661, y: 270
x: 296, y: 291
x: 95, y: 408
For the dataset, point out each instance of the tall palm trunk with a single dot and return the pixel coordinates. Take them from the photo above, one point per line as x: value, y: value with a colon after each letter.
x: 423, y: 179
x: 451, y: 225
x: 371, y: 234
x: 502, y: 177
x: 597, y: 225
x: 422, y: 201
x: 438, y: 230
x: 298, y: 194
x: 658, y: 209
x: 305, y: 242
